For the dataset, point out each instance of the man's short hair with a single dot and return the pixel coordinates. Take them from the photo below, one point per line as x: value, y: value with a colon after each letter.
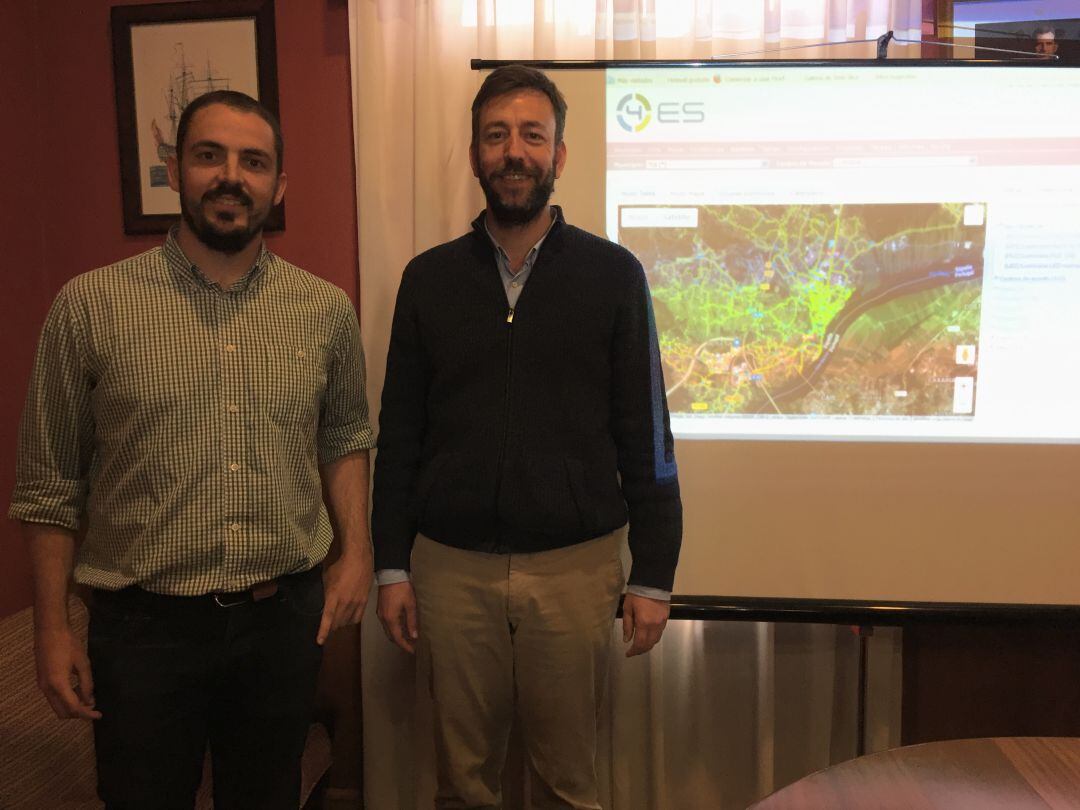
x: 511, y: 79
x: 1043, y: 30
x: 234, y: 100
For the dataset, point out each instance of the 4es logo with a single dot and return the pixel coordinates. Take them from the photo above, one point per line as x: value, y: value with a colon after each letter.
x: 635, y: 112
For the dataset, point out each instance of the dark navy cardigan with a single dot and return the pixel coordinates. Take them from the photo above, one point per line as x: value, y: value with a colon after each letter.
x: 527, y: 429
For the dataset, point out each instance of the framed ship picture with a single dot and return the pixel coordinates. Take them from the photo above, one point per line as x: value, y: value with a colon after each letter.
x: 164, y: 56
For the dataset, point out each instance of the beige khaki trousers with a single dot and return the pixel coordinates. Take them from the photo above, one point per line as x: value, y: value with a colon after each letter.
x: 524, y: 634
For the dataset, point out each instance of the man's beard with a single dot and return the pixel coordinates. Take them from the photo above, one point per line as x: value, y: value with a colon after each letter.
x: 228, y: 242
x: 510, y: 215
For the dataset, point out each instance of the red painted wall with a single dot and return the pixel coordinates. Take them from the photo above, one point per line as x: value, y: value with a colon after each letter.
x: 60, y: 196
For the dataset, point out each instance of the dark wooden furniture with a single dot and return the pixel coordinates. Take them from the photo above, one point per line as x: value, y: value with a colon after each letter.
x: 963, y: 681
x: 997, y: 773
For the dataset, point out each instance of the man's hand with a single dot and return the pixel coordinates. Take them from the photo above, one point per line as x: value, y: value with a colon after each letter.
x: 643, y: 620
x: 397, y: 612
x: 63, y: 674
x: 348, y: 583
x: 63, y: 667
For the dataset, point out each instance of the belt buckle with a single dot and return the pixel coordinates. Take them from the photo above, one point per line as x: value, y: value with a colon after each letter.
x: 256, y: 593
x: 223, y: 599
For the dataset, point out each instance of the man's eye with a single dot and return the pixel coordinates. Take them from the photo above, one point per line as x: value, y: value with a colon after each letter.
x: 256, y: 163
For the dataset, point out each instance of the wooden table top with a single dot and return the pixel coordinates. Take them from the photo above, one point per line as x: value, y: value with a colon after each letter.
x: 1006, y: 773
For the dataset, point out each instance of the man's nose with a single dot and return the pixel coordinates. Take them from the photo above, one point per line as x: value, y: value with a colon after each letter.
x: 230, y: 169
x: 515, y: 146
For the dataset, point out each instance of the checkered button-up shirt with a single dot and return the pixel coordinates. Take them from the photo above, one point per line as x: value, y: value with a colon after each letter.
x: 183, y: 425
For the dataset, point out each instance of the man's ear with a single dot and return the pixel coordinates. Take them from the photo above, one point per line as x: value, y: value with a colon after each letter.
x: 474, y: 159
x: 279, y: 194
x: 560, y: 158
x: 172, y: 165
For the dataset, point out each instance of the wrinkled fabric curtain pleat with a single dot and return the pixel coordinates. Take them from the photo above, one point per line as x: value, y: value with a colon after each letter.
x: 721, y: 713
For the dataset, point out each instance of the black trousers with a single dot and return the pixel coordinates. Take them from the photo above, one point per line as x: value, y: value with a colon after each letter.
x: 173, y: 674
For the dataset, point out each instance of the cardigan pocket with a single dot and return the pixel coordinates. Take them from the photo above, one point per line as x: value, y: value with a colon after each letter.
x: 579, y: 490
x: 543, y: 494
x: 456, y: 493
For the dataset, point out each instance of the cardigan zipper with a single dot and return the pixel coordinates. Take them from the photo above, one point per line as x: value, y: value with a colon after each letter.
x: 506, y: 407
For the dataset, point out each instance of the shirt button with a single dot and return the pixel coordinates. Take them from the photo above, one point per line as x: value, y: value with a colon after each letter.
x: 514, y: 284
x: 300, y: 353
x: 234, y: 527
x: 230, y: 347
x: 234, y: 467
x: 233, y: 408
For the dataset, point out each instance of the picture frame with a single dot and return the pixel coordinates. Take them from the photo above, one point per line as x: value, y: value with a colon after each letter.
x: 165, y: 55
x: 1020, y: 35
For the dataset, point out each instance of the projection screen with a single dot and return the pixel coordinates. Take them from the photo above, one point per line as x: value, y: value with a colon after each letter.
x: 865, y: 282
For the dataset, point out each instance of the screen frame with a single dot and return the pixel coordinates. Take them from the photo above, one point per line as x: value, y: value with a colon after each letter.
x: 818, y: 610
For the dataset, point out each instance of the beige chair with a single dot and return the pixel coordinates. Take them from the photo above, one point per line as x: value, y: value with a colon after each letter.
x: 48, y: 764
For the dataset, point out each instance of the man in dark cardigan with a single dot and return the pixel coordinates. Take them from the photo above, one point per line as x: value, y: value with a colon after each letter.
x: 523, y: 428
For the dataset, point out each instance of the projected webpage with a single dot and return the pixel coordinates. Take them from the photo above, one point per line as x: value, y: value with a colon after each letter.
x: 873, y: 253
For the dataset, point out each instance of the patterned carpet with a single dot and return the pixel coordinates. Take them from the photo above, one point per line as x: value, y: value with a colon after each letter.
x: 45, y: 763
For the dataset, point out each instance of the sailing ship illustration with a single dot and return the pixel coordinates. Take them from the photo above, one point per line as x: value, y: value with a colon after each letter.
x: 183, y: 87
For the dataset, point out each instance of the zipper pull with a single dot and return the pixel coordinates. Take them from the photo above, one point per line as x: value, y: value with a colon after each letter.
x: 510, y: 315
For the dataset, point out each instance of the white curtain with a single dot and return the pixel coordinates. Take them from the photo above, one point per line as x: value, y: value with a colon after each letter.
x: 720, y: 713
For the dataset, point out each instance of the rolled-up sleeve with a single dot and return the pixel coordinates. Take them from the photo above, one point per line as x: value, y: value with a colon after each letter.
x: 344, y: 426
x: 56, y: 434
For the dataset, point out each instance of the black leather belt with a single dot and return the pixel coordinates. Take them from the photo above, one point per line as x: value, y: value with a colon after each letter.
x: 134, y: 595
x: 256, y: 593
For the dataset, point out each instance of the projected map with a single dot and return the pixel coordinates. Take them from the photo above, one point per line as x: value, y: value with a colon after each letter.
x: 815, y: 309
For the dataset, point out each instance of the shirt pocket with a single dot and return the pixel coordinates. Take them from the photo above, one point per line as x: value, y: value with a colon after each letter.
x: 295, y: 380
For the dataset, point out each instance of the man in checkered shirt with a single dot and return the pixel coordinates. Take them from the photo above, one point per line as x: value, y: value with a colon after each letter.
x: 189, y: 410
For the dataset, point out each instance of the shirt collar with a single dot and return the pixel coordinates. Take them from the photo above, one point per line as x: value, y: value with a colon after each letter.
x: 188, y: 272
x: 557, y: 221
x: 530, y: 257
